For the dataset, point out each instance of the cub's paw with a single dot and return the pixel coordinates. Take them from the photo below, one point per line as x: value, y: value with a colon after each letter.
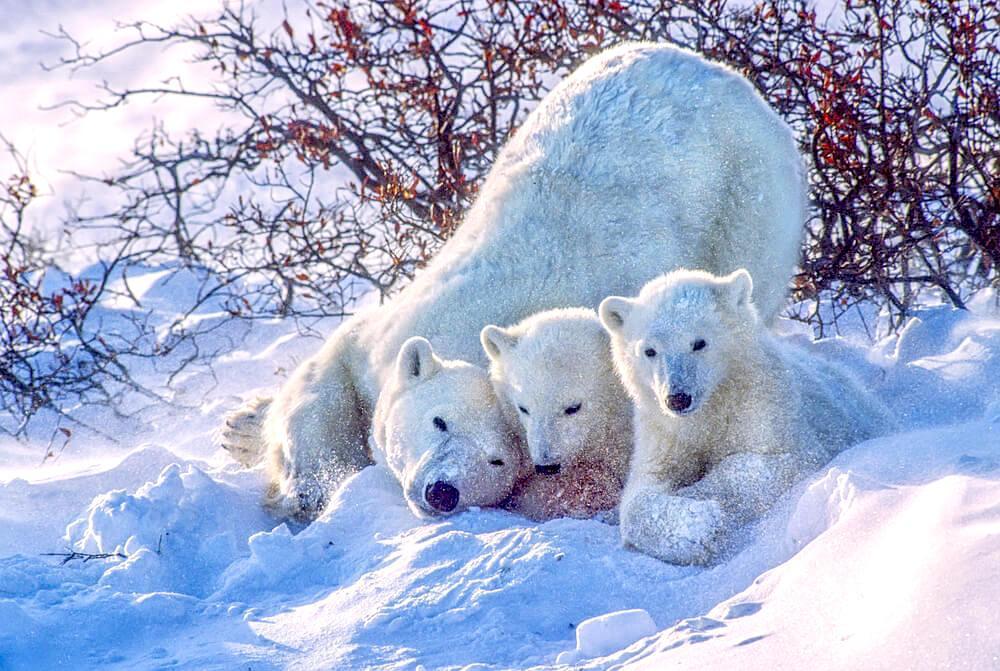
x: 242, y: 432
x: 675, y: 529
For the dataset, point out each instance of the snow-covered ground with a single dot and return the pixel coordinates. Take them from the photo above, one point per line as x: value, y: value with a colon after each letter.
x: 888, y: 558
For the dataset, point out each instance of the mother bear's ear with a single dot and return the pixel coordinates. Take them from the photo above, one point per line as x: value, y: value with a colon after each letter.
x: 416, y: 361
x: 496, y: 341
x: 613, y: 311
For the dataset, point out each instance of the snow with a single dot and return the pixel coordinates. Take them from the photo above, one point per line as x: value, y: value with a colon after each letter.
x: 888, y: 557
x: 609, y: 633
x: 913, y: 587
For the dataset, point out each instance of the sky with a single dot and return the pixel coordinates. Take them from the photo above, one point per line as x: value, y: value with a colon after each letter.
x: 56, y: 140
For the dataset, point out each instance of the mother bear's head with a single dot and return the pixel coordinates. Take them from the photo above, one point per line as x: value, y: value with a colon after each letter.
x: 440, y: 430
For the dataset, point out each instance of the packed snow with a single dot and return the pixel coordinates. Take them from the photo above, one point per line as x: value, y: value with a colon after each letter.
x: 888, y: 557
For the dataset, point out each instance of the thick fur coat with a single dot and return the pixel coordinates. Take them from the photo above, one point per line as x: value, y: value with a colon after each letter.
x: 726, y: 416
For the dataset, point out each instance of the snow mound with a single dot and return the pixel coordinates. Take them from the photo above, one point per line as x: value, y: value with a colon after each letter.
x: 940, y: 357
x: 824, y: 503
x: 64, y: 493
x: 183, y: 514
x: 900, y: 582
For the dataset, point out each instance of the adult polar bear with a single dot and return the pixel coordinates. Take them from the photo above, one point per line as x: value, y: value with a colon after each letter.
x: 645, y: 159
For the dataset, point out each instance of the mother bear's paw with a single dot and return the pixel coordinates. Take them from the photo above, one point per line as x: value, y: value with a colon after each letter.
x: 302, y: 498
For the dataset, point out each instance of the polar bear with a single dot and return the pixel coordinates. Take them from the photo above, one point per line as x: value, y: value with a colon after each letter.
x: 726, y: 416
x: 646, y: 158
x: 554, y: 378
x: 438, y: 427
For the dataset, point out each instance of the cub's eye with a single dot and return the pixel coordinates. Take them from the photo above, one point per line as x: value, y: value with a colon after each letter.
x: 573, y: 409
x: 699, y: 344
x: 524, y: 411
x: 440, y: 424
x: 650, y: 352
x: 496, y: 462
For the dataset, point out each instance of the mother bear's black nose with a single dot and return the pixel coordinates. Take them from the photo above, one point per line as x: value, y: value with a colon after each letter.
x: 679, y: 402
x: 441, y: 496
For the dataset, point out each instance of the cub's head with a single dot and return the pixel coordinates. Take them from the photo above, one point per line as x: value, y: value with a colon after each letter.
x: 439, y: 429
x: 674, y: 342
x: 553, y: 374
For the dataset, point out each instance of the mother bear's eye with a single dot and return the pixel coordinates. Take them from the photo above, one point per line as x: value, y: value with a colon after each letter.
x: 573, y: 409
x: 440, y: 424
x: 523, y: 410
x: 699, y: 344
x: 650, y: 352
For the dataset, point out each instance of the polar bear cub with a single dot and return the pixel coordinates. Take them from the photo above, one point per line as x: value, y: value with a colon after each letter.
x: 555, y: 380
x: 726, y: 417
x: 438, y: 427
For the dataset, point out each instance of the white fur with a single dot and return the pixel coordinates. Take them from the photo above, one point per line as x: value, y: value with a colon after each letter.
x: 549, y: 363
x: 646, y: 158
x: 470, y: 448
x: 761, y: 413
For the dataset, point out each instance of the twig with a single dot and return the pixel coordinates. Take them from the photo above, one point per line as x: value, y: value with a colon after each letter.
x: 85, y: 556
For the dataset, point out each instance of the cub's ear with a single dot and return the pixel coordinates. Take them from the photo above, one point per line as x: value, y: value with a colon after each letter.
x: 613, y: 311
x: 739, y: 288
x: 416, y: 361
x: 496, y: 341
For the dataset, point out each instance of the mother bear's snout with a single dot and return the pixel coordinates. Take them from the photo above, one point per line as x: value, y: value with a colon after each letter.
x: 441, y: 496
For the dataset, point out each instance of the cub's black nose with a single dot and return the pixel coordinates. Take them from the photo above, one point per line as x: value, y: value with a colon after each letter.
x: 441, y: 496
x: 547, y: 469
x: 679, y: 402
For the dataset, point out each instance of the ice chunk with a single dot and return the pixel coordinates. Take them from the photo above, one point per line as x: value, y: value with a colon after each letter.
x: 608, y: 633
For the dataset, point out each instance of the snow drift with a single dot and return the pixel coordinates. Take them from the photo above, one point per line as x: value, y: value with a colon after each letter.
x: 889, y: 557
